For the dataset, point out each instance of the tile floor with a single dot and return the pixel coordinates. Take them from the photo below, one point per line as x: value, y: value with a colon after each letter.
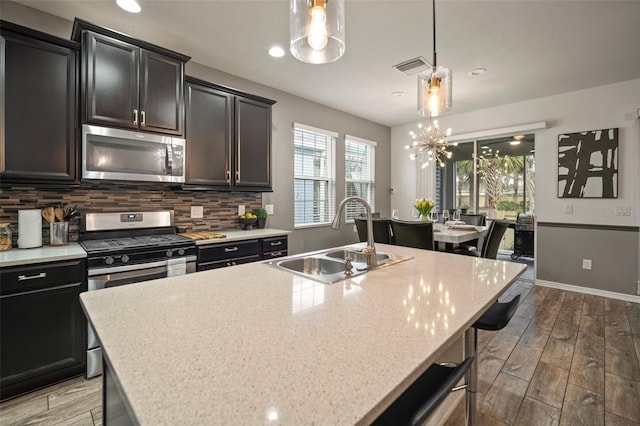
x: 564, y: 359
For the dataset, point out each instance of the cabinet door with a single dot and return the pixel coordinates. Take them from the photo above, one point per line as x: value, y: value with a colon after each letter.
x: 39, y: 138
x: 42, y: 332
x: 110, y: 71
x: 253, y: 144
x: 208, y: 133
x: 161, y: 85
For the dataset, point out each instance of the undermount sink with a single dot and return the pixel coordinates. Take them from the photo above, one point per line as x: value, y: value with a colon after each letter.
x: 329, y: 266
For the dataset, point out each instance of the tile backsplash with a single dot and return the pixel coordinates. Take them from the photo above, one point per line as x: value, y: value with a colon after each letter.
x: 220, y: 208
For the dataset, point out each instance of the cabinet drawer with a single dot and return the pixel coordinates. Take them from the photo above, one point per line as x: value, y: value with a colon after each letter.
x: 228, y: 262
x: 228, y: 251
x: 274, y: 244
x: 274, y: 254
x: 42, y: 275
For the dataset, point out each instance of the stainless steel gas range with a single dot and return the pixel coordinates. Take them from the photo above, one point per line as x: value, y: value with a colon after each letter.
x: 130, y: 247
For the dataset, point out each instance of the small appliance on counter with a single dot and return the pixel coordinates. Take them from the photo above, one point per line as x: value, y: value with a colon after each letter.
x: 29, y: 228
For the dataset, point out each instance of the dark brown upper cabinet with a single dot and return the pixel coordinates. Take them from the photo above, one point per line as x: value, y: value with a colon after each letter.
x: 129, y: 83
x: 228, y: 138
x: 38, y: 119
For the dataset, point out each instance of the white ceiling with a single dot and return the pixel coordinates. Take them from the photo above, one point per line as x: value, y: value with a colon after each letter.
x: 531, y: 48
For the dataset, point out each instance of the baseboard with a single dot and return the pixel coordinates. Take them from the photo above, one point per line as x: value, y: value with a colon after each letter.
x: 592, y: 291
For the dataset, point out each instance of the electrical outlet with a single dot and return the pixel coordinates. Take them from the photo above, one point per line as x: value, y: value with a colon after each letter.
x: 269, y: 208
x: 240, y: 209
x: 197, y: 212
x: 568, y: 209
x: 586, y: 264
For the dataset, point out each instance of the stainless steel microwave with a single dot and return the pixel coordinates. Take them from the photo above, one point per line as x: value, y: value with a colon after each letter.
x: 115, y: 154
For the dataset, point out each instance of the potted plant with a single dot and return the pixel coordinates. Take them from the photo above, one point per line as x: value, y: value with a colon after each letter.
x: 262, y: 217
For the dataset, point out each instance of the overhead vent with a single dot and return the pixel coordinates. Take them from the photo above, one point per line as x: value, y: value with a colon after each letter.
x: 413, y: 66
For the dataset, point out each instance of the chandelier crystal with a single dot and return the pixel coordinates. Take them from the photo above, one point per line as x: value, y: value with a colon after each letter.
x: 430, y: 144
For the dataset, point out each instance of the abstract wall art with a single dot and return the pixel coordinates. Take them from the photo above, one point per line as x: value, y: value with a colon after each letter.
x: 588, y: 164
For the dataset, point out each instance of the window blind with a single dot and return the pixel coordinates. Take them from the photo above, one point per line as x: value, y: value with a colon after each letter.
x: 314, y: 175
x: 360, y: 172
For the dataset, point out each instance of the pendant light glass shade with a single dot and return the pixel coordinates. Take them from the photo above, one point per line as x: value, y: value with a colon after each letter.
x: 317, y: 33
x: 434, y: 92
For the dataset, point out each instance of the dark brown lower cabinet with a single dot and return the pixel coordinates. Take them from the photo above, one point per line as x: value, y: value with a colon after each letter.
x: 42, y: 326
x: 235, y: 253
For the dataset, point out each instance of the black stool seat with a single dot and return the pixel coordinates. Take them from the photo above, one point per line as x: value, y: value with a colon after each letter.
x: 498, y: 315
x: 417, y: 403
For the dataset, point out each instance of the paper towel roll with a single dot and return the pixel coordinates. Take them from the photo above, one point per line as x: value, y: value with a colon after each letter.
x: 29, y: 228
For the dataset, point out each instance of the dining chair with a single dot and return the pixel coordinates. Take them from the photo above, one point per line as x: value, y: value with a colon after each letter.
x: 420, y: 400
x: 381, y: 230
x: 491, y: 241
x: 476, y: 220
x: 412, y: 234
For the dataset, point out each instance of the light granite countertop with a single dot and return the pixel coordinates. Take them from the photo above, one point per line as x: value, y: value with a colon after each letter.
x: 17, y: 256
x: 239, y: 235
x: 252, y: 344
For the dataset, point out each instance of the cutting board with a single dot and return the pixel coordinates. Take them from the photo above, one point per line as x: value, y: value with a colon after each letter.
x: 203, y: 235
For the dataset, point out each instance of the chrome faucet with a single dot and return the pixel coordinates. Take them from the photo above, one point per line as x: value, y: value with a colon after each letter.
x: 370, y: 250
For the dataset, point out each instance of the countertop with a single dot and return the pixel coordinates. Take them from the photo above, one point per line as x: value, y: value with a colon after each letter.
x: 238, y: 235
x: 17, y: 256
x: 252, y: 344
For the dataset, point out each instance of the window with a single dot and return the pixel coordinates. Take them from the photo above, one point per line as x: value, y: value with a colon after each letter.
x: 314, y: 175
x: 360, y: 174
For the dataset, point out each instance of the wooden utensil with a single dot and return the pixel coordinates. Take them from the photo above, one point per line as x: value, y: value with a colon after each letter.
x: 59, y: 213
x: 49, y: 214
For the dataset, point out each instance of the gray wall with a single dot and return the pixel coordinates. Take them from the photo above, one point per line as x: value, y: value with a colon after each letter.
x: 614, y: 253
x: 286, y: 111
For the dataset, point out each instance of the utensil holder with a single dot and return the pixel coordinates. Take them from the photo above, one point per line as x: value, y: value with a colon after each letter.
x: 59, y: 233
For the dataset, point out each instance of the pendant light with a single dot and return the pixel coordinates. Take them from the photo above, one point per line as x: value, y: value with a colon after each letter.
x: 434, y: 85
x: 317, y: 30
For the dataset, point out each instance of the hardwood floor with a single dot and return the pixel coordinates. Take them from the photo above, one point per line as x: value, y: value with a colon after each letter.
x: 564, y: 359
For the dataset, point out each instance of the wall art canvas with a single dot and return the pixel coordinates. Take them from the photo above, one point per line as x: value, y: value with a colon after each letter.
x: 588, y: 164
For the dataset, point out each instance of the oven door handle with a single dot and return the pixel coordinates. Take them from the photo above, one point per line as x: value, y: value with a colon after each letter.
x: 136, y: 267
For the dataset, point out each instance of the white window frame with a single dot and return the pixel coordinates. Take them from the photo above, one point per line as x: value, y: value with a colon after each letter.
x: 371, y: 180
x: 330, y: 178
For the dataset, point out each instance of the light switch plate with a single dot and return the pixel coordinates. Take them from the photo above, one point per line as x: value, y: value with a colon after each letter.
x: 269, y: 208
x: 586, y: 264
x: 197, y: 212
x: 240, y: 209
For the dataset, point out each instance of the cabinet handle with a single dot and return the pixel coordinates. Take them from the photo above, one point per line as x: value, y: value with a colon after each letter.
x: 227, y: 250
x: 135, y: 117
x: 234, y: 263
x: 143, y: 120
x: 237, y: 175
x: 32, y: 277
x: 228, y: 174
x: 277, y: 243
x: 276, y: 254
x: 228, y: 263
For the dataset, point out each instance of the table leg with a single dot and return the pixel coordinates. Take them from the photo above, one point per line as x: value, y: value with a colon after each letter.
x: 470, y: 347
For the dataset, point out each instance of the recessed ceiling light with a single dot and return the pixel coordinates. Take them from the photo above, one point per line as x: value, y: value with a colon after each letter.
x: 397, y: 94
x: 129, y: 5
x: 477, y: 71
x: 276, y: 52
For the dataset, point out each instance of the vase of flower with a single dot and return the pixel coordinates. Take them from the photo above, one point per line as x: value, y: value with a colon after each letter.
x: 424, y: 207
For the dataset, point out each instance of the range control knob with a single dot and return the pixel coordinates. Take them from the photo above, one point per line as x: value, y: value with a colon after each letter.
x: 169, y: 253
x: 181, y: 251
x: 108, y: 260
x: 124, y: 258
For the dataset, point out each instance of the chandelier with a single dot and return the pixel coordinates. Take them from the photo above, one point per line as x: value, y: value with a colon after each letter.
x: 429, y: 144
x: 434, y: 85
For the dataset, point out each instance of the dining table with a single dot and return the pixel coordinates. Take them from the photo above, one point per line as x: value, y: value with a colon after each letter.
x: 451, y: 234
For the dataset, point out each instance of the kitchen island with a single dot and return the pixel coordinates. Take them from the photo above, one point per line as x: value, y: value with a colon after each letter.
x: 253, y: 344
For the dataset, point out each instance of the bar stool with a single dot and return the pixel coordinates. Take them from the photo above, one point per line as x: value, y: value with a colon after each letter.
x: 421, y: 399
